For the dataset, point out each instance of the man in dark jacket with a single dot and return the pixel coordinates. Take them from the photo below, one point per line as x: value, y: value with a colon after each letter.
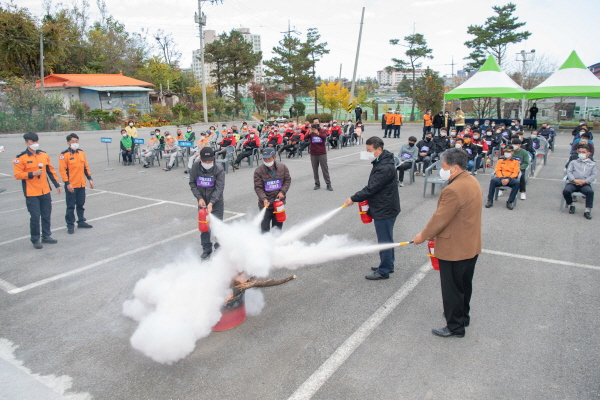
x: 384, y: 203
x: 358, y: 113
x: 438, y: 122
x: 207, y: 181
x: 271, y: 182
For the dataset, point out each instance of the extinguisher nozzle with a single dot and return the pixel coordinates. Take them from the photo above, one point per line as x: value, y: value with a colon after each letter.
x: 344, y: 205
x: 403, y: 243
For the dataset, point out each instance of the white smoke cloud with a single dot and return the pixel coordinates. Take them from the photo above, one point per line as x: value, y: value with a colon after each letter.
x: 180, y: 303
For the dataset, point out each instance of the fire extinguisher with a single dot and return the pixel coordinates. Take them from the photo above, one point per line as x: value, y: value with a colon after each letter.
x: 363, y: 207
x: 203, y: 220
x: 435, y: 263
x: 279, y: 211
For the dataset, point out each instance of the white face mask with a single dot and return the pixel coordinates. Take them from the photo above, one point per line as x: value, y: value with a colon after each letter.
x: 131, y: 124
x: 458, y: 145
x: 498, y: 131
x: 34, y: 146
x: 366, y: 155
x: 74, y: 146
x: 445, y: 174
x: 582, y: 156
x: 269, y: 164
x: 508, y: 155
x: 489, y: 133
x: 252, y: 135
x: 124, y: 135
x: 582, y: 132
x: 443, y: 134
x: 476, y: 137
x: 453, y: 134
x: 207, y: 166
x: 189, y: 130
x: 534, y: 136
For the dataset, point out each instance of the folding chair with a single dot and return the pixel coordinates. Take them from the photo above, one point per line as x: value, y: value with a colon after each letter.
x: 498, y: 188
x: 433, y: 180
x: 228, y: 160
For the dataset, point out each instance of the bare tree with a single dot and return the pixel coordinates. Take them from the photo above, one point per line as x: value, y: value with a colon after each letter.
x: 168, y: 47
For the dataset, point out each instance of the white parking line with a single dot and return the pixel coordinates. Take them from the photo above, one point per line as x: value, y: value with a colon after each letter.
x: 89, y: 220
x: 540, y: 259
x: 54, y: 202
x: 12, y: 289
x: 328, y: 368
x: 151, y: 199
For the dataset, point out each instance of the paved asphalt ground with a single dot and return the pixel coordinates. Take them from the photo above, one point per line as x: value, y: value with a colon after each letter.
x: 330, y: 334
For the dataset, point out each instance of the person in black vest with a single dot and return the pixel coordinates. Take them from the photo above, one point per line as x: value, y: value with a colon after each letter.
x: 384, y: 203
x: 207, y: 181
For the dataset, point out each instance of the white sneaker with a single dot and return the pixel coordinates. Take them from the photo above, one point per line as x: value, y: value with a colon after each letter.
x: 500, y: 193
x: 401, y: 184
x: 523, y: 196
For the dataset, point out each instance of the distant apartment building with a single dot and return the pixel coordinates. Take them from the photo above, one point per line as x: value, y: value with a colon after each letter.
x: 595, y: 69
x: 209, y: 37
x: 393, y: 78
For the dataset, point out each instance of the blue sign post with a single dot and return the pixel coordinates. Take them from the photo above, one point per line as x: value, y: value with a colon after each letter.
x: 137, y: 151
x: 186, y: 144
x: 107, y: 140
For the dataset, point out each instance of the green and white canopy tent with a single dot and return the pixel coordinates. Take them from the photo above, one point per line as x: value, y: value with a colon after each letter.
x: 572, y: 79
x: 489, y: 81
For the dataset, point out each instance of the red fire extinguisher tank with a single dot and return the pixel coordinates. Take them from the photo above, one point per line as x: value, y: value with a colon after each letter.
x: 279, y: 210
x: 363, y: 207
x: 435, y: 263
x: 203, y: 220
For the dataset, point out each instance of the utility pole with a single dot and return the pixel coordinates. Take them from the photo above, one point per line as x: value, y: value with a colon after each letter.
x: 362, y: 18
x: 42, y: 60
x: 200, y: 19
x: 340, y: 78
x: 453, y: 64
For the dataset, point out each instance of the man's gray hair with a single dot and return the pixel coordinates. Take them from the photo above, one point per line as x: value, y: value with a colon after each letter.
x: 455, y: 156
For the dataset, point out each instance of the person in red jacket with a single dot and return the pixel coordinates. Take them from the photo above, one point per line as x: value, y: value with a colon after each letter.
x: 275, y: 138
x: 318, y: 153
x: 482, y: 150
x: 292, y: 144
x: 228, y: 140
x: 334, y: 134
x: 252, y: 142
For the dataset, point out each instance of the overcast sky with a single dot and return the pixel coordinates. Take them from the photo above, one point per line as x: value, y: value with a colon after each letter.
x: 557, y: 27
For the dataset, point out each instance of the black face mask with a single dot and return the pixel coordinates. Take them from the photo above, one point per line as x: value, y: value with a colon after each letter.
x: 427, y: 139
x: 411, y: 144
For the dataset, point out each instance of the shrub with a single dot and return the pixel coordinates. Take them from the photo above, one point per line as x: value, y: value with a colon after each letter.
x: 323, y: 117
x: 181, y: 110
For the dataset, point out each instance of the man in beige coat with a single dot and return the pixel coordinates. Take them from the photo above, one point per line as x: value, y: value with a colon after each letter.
x: 456, y: 228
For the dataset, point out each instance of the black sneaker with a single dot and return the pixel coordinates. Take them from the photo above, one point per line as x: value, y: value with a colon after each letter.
x: 84, y: 225
x: 375, y: 276
x: 168, y: 169
x: 49, y: 240
x: 587, y: 215
x: 329, y: 188
x: 376, y: 268
x: 317, y: 187
x: 38, y: 245
x: 70, y: 230
x: 510, y: 205
x: 571, y: 209
x: 205, y: 255
x: 490, y: 203
x: 185, y: 172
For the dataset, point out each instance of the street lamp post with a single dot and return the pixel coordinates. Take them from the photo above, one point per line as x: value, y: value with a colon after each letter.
x: 524, y: 56
x: 200, y: 19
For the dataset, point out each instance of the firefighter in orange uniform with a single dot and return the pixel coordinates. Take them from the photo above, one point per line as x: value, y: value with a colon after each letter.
x: 74, y: 169
x: 33, y: 168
